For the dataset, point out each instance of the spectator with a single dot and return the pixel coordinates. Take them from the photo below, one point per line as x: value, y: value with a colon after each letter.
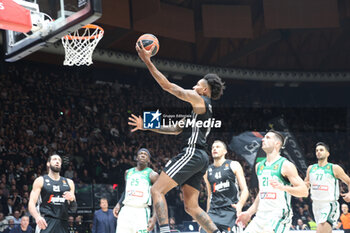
x: 81, y: 228
x: 312, y: 224
x: 23, y: 227
x: 71, y: 225
x: 3, y: 222
x: 344, y: 218
x: 8, y: 208
x: 301, y: 226
x: 10, y: 226
x: 104, y: 220
x: 69, y: 173
x: 17, y: 218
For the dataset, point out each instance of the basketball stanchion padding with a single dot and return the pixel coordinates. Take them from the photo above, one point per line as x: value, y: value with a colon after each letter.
x: 14, y: 17
x: 79, y: 45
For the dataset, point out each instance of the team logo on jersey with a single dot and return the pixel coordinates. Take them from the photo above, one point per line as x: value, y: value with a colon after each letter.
x: 320, y: 187
x: 56, y: 200
x: 275, y: 167
x: 328, y: 167
x: 151, y: 120
x: 262, y: 167
x: 56, y: 188
x: 47, y: 180
x: 268, y: 195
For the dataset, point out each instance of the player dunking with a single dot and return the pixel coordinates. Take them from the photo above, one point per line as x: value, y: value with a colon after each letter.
x: 188, y: 167
x: 227, y: 189
x: 322, y: 178
x: 54, y: 195
x: 272, y: 206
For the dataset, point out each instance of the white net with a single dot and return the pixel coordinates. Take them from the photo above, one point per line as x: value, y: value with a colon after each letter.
x: 80, y: 45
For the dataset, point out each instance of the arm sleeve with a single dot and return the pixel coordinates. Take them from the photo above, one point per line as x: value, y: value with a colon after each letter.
x: 121, y: 198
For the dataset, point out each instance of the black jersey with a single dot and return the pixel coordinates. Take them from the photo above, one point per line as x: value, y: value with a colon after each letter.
x: 197, y: 128
x: 51, y: 202
x: 224, y: 185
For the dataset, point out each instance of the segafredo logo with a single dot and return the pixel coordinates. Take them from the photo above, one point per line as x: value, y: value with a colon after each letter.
x: 56, y: 200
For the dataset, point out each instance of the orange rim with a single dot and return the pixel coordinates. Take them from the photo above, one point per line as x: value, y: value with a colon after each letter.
x: 90, y: 26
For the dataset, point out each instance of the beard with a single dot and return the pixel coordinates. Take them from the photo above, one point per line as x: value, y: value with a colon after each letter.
x: 55, y: 169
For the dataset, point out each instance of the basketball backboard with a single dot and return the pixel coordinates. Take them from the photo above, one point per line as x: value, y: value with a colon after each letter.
x: 56, y: 18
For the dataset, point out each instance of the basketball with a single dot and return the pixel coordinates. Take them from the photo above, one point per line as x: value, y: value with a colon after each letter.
x: 149, y: 42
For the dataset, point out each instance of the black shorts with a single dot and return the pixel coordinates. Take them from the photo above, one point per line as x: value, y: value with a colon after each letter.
x: 224, y: 218
x: 188, y: 167
x: 54, y: 225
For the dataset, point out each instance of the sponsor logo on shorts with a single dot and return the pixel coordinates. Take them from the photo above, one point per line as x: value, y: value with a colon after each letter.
x: 320, y: 187
x: 268, y: 195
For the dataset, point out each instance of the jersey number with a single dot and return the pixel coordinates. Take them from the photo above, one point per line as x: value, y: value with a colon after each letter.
x: 265, y: 181
x: 319, y: 176
x: 134, y: 182
x: 217, y: 175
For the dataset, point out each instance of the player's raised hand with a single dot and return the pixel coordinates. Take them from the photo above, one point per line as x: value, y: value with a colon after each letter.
x: 116, y: 210
x: 41, y: 222
x: 136, y: 121
x: 144, y: 54
x: 346, y: 196
x: 151, y: 223
x: 243, y: 218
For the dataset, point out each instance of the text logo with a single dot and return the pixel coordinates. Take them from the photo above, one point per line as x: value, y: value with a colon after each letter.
x: 320, y: 187
x: 268, y: 195
x: 151, y: 120
x: 2, y: 6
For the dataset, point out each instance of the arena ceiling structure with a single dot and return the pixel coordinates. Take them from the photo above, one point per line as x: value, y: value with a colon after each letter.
x: 288, y: 35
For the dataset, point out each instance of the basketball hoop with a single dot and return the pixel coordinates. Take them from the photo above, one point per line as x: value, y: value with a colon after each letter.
x: 80, y: 45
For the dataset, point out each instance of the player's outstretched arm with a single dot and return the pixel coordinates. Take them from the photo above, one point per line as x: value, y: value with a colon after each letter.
x: 33, y: 199
x: 298, y: 188
x: 238, y: 171
x: 340, y: 174
x: 187, y: 95
x: 137, y: 122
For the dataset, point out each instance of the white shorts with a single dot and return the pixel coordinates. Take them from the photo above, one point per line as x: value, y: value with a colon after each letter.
x: 326, y: 212
x: 132, y: 219
x: 269, y: 222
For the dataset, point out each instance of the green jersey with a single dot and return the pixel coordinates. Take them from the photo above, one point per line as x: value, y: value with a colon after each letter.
x: 324, y: 185
x: 138, y: 188
x: 273, y: 200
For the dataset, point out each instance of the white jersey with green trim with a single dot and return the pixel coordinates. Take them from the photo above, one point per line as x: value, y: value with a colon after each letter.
x: 273, y: 200
x: 138, y: 188
x: 324, y: 186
